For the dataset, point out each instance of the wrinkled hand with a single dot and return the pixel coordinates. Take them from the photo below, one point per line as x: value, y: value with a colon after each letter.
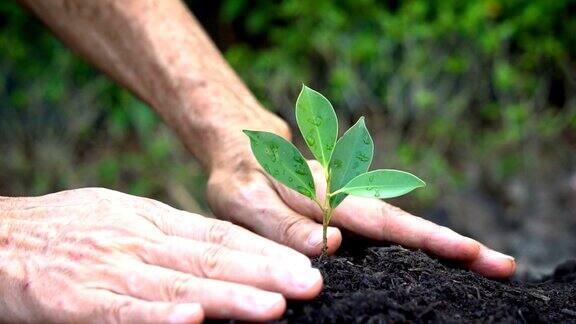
x: 96, y: 255
x: 244, y: 194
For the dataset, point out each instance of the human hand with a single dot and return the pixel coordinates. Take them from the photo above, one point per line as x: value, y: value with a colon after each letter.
x: 242, y: 193
x: 96, y: 255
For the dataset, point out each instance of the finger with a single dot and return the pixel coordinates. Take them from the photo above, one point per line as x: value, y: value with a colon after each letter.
x: 217, y: 262
x: 219, y: 299
x: 114, y: 308
x: 288, y: 227
x: 300, y: 203
x: 179, y: 223
x: 386, y: 222
x: 378, y: 220
x: 259, y: 208
x: 493, y: 264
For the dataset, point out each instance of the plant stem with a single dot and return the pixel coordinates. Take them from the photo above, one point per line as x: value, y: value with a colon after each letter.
x: 326, y: 216
x: 324, y: 234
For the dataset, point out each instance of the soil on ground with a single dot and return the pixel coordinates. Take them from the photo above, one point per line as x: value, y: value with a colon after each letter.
x: 382, y: 284
x: 366, y: 283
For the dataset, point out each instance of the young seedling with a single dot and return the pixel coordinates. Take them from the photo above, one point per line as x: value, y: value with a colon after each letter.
x: 345, y: 162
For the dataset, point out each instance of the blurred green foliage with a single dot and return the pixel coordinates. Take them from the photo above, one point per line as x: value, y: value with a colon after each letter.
x: 466, y: 94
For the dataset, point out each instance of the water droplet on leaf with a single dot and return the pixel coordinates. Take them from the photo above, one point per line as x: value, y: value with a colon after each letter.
x: 366, y: 138
x: 316, y: 120
x: 300, y: 171
x: 362, y: 156
x: 377, y: 193
x: 272, y: 151
x: 337, y: 164
x: 298, y: 159
x: 310, y: 140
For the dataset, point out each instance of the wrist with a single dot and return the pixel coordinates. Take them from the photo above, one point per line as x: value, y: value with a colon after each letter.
x: 210, y: 117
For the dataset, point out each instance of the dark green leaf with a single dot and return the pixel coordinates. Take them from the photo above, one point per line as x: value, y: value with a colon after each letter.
x: 351, y: 157
x: 318, y: 123
x: 282, y: 160
x: 382, y: 184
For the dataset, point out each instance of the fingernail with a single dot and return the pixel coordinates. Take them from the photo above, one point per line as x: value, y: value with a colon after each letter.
x: 184, y: 313
x: 304, y: 278
x: 497, y: 255
x: 265, y: 301
x: 315, y: 237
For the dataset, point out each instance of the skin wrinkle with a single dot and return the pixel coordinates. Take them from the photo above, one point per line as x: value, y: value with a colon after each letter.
x: 96, y: 246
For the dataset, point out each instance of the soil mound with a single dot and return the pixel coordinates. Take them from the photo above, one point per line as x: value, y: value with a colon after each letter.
x: 392, y: 284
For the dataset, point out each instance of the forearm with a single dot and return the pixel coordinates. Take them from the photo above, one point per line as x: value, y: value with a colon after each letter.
x: 160, y: 52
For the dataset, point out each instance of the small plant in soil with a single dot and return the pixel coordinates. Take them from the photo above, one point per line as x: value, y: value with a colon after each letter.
x: 345, y: 161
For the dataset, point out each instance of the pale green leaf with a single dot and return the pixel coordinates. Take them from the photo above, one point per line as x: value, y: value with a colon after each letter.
x: 382, y: 184
x: 282, y: 160
x: 351, y: 157
x: 318, y: 123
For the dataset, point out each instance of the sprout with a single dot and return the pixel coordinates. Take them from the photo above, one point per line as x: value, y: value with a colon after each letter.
x: 345, y: 161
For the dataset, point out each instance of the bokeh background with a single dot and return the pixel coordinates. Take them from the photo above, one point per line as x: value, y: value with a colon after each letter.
x: 477, y: 97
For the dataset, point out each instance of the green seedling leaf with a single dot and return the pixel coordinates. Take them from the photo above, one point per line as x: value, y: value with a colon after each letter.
x: 382, y: 184
x: 351, y: 157
x: 345, y: 162
x: 318, y: 124
x: 282, y: 160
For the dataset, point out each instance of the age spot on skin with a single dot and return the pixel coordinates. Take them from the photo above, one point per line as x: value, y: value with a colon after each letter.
x: 25, y: 286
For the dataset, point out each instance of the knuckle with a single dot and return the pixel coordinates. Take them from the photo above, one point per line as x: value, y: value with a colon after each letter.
x: 177, y: 288
x: 429, y: 237
x: 265, y: 270
x: 153, y: 204
x: 386, y: 223
x: 60, y: 297
x: 117, y: 311
x: 109, y: 206
x: 287, y: 227
x: 100, y: 192
x: 388, y: 210
x: 219, y: 232
x: 239, y: 197
x: 211, y: 261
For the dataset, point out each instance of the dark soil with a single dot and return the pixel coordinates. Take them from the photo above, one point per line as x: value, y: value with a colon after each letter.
x: 393, y: 284
x: 385, y: 284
